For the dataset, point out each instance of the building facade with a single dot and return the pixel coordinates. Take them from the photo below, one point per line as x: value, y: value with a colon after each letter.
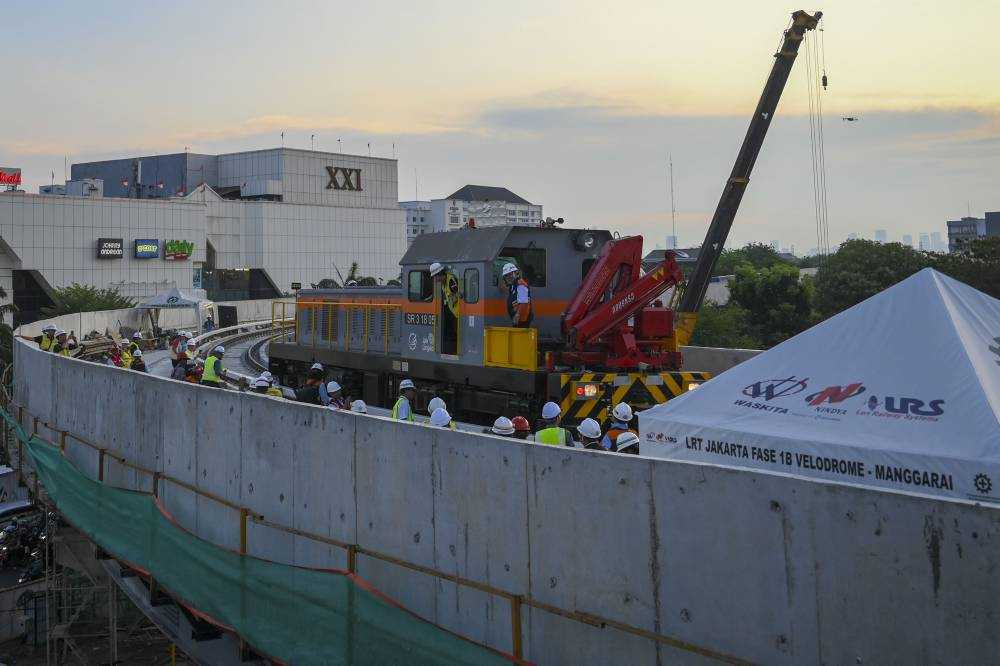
x: 488, y: 206
x: 260, y: 224
x: 418, y: 219
x: 966, y: 229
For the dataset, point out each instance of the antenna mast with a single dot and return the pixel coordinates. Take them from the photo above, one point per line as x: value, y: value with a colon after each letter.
x: 673, y: 208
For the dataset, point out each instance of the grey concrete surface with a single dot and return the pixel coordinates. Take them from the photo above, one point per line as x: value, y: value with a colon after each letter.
x: 771, y: 568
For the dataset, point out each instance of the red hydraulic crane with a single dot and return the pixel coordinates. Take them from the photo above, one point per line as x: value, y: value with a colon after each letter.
x: 609, y: 322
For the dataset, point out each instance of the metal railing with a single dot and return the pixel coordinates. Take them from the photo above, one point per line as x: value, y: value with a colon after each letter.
x: 332, y: 333
x: 353, y: 550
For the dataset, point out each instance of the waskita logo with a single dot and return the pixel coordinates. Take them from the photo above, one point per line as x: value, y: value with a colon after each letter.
x: 771, y: 389
x: 908, y: 408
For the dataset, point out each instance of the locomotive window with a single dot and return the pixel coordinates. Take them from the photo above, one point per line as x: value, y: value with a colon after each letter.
x: 421, y: 287
x: 531, y: 262
x: 471, y: 285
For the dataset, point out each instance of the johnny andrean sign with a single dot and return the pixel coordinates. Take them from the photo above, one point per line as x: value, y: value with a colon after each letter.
x: 146, y: 248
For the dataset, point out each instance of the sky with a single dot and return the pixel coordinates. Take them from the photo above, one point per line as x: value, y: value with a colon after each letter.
x: 577, y: 105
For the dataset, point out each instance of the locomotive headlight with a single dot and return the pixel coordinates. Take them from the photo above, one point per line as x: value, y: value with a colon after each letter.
x: 586, y: 241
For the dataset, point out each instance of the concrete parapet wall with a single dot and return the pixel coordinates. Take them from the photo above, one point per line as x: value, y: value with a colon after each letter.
x: 770, y: 568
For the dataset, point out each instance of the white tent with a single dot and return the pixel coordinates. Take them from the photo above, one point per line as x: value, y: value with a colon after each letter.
x: 901, y: 391
x: 172, y: 300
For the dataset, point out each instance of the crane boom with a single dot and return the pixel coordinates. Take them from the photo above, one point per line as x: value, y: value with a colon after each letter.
x: 732, y: 194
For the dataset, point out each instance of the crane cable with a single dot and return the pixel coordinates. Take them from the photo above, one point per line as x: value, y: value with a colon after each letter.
x: 816, y: 145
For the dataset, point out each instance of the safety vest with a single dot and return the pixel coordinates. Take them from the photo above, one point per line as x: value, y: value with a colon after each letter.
x: 126, y: 359
x: 59, y: 349
x: 276, y: 392
x: 553, y: 436
x: 396, y: 407
x: 449, y: 292
x: 210, y: 374
x: 46, y: 342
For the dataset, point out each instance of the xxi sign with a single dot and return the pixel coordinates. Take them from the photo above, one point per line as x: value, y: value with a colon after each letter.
x: 342, y: 178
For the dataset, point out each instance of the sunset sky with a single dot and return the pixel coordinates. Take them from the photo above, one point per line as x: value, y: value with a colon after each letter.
x: 574, y: 105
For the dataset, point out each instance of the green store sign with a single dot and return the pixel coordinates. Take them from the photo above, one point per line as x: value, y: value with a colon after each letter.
x: 178, y: 250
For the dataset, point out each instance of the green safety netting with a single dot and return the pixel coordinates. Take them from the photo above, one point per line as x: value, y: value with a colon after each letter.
x: 292, y: 614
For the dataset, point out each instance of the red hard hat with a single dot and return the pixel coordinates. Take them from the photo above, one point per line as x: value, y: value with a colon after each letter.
x: 520, y: 424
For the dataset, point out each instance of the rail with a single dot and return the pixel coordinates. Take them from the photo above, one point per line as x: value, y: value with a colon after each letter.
x: 246, y: 515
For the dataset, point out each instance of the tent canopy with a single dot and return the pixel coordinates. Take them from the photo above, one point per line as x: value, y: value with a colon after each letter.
x: 901, y: 391
x: 174, y: 298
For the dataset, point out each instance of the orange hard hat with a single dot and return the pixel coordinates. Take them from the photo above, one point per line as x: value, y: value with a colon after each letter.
x: 520, y: 424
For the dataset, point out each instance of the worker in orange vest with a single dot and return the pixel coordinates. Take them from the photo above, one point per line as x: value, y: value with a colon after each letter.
x: 518, y: 298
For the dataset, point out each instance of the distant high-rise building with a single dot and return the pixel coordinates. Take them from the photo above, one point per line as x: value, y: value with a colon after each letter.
x: 907, y: 240
x: 968, y: 229
x: 925, y: 242
x: 776, y: 245
x: 671, y: 242
x: 852, y: 237
x: 936, y: 243
x: 881, y: 236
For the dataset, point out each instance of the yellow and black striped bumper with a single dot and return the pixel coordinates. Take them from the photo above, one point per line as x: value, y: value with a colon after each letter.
x: 593, y: 394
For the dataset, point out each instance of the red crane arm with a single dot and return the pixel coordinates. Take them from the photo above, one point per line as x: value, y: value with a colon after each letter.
x: 634, y: 295
x: 615, y: 268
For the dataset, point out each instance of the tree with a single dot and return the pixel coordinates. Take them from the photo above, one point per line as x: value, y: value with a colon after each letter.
x: 978, y: 265
x: 86, y: 298
x: 860, y: 269
x: 778, y: 304
x: 757, y: 255
x: 723, y: 326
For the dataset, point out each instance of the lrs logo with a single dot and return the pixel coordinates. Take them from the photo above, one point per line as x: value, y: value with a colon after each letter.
x: 835, y: 394
x: 342, y: 178
x: 769, y: 389
x: 906, y: 406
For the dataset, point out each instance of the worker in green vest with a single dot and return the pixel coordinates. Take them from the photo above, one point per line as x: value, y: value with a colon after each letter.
x: 63, y: 344
x: 212, y: 374
x: 403, y: 409
x: 549, y: 431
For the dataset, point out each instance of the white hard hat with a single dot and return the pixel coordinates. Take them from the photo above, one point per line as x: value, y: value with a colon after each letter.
x: 219, y: 350
x: 589, y: 428
x: 260, y: 382
x: 137, y: 335
x: 48, y: 327
x: 435, y: 403
x: 359, y: 406
x: 436, y: 268
x: 60, y: 332
x: 189, y: 335
x: 509, y: 268
x: 316, y: 366
x: 267, y: 375
x: 551, y: 410
x: 332, y: 387
x: 627, y: 440
x: 406, y: 384
x: 622, y: 412
x: 503, y: 426
x: 137, y: 354
x: 440, y: 418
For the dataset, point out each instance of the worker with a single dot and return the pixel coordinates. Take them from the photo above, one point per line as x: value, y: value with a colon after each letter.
x: 209, y: 324
x: 64, y: 344
x: 174, y: 345
x: 180, y: 370
x: 435, y: 403
x: 272, y: 390
x: 403, y: 410
x: 442, y: 419
x: 627, y: 442
x: 126, y: 355
x: 137, y: 363
x: 314, y: 390
x: 549, y: 431
x: 136, y: 339
x: 359, y: 407
x: 518, y: 297
x: 45, y: 340
x: 590, y: 434
x: 503, y: 427
x: 213, y: 371
x: 337, y: 399
x: 621, y: 416
x: 260, y: 385
x: 522, y: 429
x: 316, y: 372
